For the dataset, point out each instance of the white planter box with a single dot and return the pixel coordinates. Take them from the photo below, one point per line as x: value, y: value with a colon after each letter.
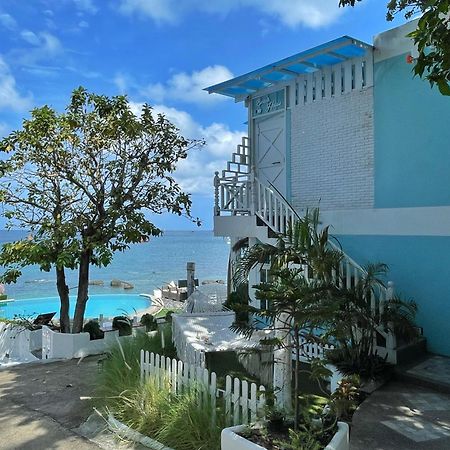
x: 230, y: 440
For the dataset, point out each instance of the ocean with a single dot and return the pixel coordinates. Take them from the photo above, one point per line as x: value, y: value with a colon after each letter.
x: 146, y: 266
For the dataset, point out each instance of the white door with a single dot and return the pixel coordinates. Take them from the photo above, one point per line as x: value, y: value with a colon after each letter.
x: 270, y: 140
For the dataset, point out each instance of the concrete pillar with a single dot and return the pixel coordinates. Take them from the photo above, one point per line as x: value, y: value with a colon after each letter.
x: 190, y: 277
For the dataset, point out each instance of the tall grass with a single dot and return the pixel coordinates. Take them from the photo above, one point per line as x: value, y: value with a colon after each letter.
x: 121, y: 371
x: 180, y: 421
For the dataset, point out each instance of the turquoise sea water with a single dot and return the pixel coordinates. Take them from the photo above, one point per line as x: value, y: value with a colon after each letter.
x: 109, y: 305
x: 147, y: 266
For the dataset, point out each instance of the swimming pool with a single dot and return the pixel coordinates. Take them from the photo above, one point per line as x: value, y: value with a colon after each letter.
x: 109, y: 305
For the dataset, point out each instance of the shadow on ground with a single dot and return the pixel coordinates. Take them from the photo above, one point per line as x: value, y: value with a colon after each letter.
x: 41, y: 404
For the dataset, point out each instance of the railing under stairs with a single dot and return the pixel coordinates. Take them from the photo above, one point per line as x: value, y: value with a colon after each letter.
x: 239, y: 192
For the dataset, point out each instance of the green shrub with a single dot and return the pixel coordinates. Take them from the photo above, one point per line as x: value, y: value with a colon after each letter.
x: 93, y: 328
x: 169, y: 315
x: 123, y: 324
x: 3, y: 297
x: 149, y: 322
x: 238, y: 301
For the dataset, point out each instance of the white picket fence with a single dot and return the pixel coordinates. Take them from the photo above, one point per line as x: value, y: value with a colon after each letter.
x: 244, y: 402
x: 310, y: 350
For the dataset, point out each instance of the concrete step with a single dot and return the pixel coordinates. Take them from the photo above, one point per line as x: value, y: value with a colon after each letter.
x: 429, y: 370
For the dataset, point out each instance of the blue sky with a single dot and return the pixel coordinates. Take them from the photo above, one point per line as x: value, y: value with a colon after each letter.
x: 163, y: 52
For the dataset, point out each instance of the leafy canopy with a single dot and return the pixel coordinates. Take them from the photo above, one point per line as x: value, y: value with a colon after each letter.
x: 86, y: 182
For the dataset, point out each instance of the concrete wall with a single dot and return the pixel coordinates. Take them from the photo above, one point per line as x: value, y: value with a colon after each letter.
x: 419, y: 267
x: 412, y: 138
x: 332, y: 152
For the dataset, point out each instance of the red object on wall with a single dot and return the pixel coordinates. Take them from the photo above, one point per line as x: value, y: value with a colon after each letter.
x: 409, y: 59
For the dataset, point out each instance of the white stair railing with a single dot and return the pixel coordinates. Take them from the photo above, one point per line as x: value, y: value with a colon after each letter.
x: 276, y: 213
x: 232, y: 189
x: 239, y: 192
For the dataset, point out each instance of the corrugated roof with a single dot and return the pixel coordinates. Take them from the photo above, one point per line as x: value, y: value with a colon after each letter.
x: 308, y: 61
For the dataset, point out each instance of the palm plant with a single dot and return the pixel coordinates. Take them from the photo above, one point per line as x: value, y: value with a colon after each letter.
x: 301, y: 268
x: 303, y: 244
x: 359, y: 319
x: 299, y: 307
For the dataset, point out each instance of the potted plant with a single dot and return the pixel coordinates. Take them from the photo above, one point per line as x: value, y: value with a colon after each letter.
x: 275, y: 418
x: 123, y: 324
x: 149, y: 322
x: 93, y: 328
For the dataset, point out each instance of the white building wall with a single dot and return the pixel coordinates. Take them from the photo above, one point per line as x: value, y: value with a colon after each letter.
x: 332, y: 152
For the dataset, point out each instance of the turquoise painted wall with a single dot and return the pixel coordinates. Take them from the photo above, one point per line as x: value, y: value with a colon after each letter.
x: 420, y: 268
x: 412, y: 139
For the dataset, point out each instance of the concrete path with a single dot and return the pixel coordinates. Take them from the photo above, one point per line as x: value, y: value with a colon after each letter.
x: 402, y: 417
x: 41, y: 405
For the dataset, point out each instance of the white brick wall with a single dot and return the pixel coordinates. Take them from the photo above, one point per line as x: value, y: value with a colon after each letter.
x: 332, y: 152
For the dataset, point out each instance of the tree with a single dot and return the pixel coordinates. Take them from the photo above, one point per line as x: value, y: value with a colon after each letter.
x: 37, y: 199
x: 299, y: 294
x: 116, y: 168
x: 432, y: 37
x: 299, y: 307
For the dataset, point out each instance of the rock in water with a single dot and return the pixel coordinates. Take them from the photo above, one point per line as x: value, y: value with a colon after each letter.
x: 116, y: 283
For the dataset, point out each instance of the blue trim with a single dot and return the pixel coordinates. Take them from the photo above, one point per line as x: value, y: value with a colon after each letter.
x: 307, y: 61
x: 288, y: 155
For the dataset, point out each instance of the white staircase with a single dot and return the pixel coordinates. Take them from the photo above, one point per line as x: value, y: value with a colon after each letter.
x: 238, y: 192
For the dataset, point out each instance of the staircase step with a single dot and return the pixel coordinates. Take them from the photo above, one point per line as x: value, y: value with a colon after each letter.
x: 239, y: 159
x: 429, y: 370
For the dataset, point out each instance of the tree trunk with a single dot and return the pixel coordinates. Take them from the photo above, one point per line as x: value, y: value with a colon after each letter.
x: 63, y: 291
x: 296, y: 379
x: 83, y: 288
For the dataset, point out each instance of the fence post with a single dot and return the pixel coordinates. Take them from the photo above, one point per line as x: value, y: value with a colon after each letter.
x: 174, y: 376
x: 253, y: 403
x: 212, y: 394
x: 244, y: 402
x: 180, y: 377
x: 235, y: 400
x: 157, y: 366
x: 228, y: 398
x: 262, y: 400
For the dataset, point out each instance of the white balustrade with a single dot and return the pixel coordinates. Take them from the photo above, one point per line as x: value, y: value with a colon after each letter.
x: 241, y: 193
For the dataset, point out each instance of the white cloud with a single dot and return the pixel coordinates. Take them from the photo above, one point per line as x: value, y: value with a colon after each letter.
x: 188, y: 87
x: 311, y: 13
x: 86, y: 6
x: 30, y: 37
x: 122, y: 82
x: 10, y: 98
x: 159, y: 10
x: 45, y: 46
x: 196, y: 173
x: 7, y: 21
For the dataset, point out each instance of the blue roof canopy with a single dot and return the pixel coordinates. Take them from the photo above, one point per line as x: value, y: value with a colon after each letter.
x: 308, y: 61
